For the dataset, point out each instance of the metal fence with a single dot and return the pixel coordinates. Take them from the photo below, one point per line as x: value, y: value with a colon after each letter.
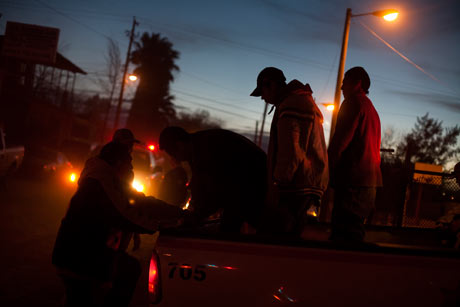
x: 412, y: 198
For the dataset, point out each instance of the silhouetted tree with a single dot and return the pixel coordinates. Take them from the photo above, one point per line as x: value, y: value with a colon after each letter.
x: 111, y: 80
x: 199, y: 120
x: 112, y: 74
x: 152, y: 106
x: 429, y: 142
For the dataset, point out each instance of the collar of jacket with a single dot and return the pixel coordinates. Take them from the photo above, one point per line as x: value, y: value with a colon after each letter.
x: 294, y: 86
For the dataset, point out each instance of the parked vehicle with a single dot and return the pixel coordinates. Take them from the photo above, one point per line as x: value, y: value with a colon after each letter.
x: 58, y: 167
x: 191, y: 268
x: 148, y: 174
x: 10, y: 156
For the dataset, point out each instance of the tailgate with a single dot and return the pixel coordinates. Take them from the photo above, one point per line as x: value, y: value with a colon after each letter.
x: 201, y: 272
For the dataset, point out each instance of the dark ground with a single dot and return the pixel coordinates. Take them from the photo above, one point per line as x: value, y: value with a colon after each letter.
x: 30, y: 214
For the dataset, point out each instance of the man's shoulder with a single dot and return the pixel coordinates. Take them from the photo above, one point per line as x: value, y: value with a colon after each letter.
x: 89, y: 186
x: 216, y: 132
x: 363, y: 101
x: 297, y: 105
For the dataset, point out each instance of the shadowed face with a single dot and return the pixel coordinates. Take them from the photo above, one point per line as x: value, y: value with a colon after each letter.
x: 178, y: 152
x: 350, y: 87
x: 269, y: 92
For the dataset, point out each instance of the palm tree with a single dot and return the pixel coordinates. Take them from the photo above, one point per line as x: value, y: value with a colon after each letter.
x: 152, y: 106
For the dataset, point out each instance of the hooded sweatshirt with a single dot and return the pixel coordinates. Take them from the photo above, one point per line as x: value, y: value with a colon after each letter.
x: 297, y: 154
x: 99, y: 213
x: 148, y: 212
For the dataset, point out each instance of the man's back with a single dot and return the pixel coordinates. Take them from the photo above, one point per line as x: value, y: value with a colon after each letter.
x: 229, y: 172
x: 218, y: 150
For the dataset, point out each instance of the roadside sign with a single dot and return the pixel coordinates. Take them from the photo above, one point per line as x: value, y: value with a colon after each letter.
x: 33, y: 43
x: 428, y: 178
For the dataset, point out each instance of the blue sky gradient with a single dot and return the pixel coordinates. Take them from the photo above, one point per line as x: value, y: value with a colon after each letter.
x: 224, y: 44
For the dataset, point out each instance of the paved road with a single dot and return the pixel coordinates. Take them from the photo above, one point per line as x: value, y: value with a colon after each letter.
x: 30, y: 214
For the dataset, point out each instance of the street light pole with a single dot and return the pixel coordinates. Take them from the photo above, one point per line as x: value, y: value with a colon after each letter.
x: 123, y: 79
x: 262, y: 126
x: 343, y: 58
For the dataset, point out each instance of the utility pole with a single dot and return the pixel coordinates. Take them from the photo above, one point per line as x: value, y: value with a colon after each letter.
x: 120, y: 99
x: 262, y: 126
x: 338, y: 86
x: 257, y: 130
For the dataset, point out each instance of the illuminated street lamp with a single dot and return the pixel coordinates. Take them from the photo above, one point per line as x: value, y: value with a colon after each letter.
x: 388, y: 15
x: 328, y: 106
x: 132, y: 77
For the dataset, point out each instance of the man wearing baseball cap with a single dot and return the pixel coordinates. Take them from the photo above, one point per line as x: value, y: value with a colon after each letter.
x: 297, y: 155
x: 126, y: 137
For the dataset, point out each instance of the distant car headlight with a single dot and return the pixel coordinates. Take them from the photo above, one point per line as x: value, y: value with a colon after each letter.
x: 138, y: 186
x: 73, y: 177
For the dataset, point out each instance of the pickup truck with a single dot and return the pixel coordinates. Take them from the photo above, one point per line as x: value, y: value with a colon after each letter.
x: 190, y: 268
x: 10, y: 157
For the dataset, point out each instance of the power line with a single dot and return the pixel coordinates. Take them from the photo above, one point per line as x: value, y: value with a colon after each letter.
x: 249, y: 47
x: 402, y: 55
x: 187, y: 31
x: 209, y: 82
x: 215, y: 101
x: 217, y: 109
x: 73, y: 19
x: 232, y: 42
x: 407, y: 85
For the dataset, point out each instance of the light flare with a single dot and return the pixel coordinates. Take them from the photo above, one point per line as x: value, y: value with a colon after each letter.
x: 138, y: 186
x: 391, y: 16
x: 185, y: 207
x: 73, y: 177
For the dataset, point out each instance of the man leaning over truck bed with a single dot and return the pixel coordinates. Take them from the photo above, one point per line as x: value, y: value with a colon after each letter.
x: 228, y: 172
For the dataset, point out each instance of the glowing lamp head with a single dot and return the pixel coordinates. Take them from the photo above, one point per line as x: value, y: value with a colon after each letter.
x: 132, y: 78
x: 388, y: 15
x: 151, y: 147
x: 328, y: 106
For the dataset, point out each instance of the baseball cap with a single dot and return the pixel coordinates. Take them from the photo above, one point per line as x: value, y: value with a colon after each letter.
x: 267, y: 74
x: 124, y: 136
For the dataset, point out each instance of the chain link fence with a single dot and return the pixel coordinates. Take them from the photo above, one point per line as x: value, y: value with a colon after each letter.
x: 414, y: 198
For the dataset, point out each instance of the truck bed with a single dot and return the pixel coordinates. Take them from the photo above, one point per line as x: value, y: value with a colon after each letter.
x: 201, y: 269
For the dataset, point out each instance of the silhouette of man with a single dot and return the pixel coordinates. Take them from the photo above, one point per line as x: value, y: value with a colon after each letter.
x: 228, y: 172
x: 354, y: 158
x: 297, y: 156
x: 126, y: 137
x: 88, y: 251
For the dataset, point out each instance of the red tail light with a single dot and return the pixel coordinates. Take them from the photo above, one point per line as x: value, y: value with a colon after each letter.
x: 155, y: 293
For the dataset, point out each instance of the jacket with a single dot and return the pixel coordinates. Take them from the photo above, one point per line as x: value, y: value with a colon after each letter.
x: 354, y: 152
x: 297, y: 155
x: 99, y: 213
x: 228, y: 171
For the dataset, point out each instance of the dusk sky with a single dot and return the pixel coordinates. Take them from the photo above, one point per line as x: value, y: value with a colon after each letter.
x: 224, y: 44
